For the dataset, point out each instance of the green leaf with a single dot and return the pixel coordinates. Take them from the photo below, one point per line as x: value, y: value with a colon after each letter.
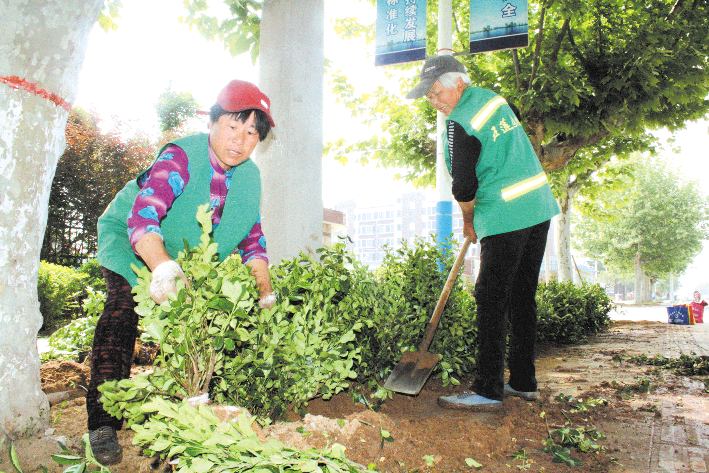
x: 473, y: 463
x: 63, y: 459
x: 14, y: 459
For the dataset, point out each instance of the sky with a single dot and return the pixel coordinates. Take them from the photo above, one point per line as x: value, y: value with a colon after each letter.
x: 125, y: 71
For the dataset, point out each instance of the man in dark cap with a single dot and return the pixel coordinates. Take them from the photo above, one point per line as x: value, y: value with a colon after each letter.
x: 507, y: 204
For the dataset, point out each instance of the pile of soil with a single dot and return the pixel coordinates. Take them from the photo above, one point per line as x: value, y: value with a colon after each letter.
x: 427, y: 438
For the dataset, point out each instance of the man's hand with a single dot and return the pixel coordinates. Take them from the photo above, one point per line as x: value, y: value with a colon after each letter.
x: 469, y: 232
x: 164, y: 281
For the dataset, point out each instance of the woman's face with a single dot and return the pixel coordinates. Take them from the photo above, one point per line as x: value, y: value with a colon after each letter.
x: 233, y: 141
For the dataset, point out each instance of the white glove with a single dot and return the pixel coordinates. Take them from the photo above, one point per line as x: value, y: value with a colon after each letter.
x: 164, y: 280
x: 266, y: 302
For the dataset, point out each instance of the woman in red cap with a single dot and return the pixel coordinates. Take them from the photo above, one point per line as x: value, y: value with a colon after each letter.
x: 148, y: 220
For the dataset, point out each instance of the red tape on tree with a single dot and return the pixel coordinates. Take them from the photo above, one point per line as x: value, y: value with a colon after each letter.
x: 17, y: 82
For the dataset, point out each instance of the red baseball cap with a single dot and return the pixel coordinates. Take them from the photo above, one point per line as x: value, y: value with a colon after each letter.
x: 240, y: 95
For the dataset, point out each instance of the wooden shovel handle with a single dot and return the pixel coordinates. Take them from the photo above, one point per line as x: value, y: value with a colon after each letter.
x: 433, y: 323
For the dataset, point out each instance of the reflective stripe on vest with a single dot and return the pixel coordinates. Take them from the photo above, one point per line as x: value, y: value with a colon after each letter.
x: 522, y: 187
x: 486, y: 112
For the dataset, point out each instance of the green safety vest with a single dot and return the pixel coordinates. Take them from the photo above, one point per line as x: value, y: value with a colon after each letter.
x: 241, y: 211
x: 513, y: 192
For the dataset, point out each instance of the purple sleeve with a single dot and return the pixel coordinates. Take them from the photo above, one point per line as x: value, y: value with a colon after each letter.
x: 159, y: 187
x: 254, y: 245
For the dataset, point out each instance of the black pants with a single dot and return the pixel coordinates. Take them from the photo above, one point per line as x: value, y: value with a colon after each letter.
x: 114, y: 340
x: 506, y: 287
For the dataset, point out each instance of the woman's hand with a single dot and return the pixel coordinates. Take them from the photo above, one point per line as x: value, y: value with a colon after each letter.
x: 164, y: 281
x: 259, y: 270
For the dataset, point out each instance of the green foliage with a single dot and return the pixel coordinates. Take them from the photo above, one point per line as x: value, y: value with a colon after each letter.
x: 655, y: 220
x: 59, y: 289
x: 92, y: 268
x: 123, y: 399
x: 74, y: 463
x: 201, y: 442
x: 399, y: 301
x: 212, y: 335
x: 568, y: 313
x: 596, y: 76
x: 688, y: 365
x: 75, y: 338
x: 93, y: 168
x: 175, y: 108
x: 109, y: 14
x: 239, y: 30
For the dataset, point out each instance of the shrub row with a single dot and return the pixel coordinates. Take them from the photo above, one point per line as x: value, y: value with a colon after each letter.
x: 335, y: 323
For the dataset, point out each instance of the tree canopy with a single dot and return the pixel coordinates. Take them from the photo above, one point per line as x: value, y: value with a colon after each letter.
x: 597, y: 75
x: 652, y: 218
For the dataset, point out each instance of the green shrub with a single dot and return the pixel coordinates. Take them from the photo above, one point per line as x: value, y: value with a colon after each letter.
x: 92, y: 269
x: 568, y: 313
x: 59, y: 289
x: 396, y: 305
x: 75, y: 338
x: 213, y: 335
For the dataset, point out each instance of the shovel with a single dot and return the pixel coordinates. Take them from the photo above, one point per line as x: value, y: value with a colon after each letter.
x: 411, y: 373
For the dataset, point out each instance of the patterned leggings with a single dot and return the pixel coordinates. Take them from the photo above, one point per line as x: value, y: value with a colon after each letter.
x: 112, y: 352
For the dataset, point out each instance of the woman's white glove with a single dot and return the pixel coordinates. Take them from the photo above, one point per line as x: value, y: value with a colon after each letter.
x: 164, y: 282
x: 266, y: 302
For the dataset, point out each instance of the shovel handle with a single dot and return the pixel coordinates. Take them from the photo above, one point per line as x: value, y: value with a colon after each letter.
x: 433, y: 323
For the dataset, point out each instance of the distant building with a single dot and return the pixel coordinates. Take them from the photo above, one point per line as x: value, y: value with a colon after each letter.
x: 333, y: 227
x: 412, y: 215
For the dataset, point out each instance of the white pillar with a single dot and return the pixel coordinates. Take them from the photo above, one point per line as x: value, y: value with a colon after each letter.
x: 291, y: 74
x: 42, y: 47
x: 444, y: 210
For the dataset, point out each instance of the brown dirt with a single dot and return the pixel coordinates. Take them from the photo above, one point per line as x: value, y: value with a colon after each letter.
x: 632, y: 421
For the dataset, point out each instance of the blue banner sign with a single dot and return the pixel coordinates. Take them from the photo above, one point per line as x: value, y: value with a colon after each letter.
x: 498, y: 24
x: 401, y: 31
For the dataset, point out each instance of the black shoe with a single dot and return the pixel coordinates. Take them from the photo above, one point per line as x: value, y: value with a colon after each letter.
x: 104, y: 445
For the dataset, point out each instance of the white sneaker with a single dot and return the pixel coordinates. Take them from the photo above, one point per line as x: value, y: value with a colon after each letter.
x: 526, y: 395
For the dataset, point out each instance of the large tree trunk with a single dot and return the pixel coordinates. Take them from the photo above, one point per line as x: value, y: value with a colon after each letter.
x: 563, y: 237
x: 42, y: 47
x: 291, y: 73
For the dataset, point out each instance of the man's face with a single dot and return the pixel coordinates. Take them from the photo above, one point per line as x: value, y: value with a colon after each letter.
x: 442, y: 99
x: 233, y: 141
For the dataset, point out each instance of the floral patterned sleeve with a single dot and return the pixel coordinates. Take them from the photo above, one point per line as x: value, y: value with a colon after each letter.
x: 159, y: 188
x: 254, y: 245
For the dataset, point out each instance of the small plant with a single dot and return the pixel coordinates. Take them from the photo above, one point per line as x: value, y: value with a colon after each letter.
x: 522, y: 457
x: 385, y: 436
x: 687, y: 365
x: 195, y: 439
x: 77, y: 463
x: 626, y: 391
x: 580, y: 404
x: 561, y: 440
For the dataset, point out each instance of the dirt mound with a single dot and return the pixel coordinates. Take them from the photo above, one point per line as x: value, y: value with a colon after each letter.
x: 63, y: 375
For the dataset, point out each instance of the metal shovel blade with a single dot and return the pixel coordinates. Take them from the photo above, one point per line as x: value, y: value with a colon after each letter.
x: 412, y: 371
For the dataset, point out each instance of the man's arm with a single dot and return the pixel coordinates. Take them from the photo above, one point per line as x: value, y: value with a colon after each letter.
x: 468, y: 211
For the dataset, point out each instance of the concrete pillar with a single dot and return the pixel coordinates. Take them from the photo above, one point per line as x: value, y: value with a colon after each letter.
x: 291, y: 74
x: 42, y: 46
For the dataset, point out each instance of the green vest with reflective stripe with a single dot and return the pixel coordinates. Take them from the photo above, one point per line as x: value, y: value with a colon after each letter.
x: 240, y: 213
x: 513, y: 192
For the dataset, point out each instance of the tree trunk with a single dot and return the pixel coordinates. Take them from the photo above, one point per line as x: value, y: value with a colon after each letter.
x: 42, y: 46
x: 291, y: 74
x: 642, y: 283
x: 563, y: 239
